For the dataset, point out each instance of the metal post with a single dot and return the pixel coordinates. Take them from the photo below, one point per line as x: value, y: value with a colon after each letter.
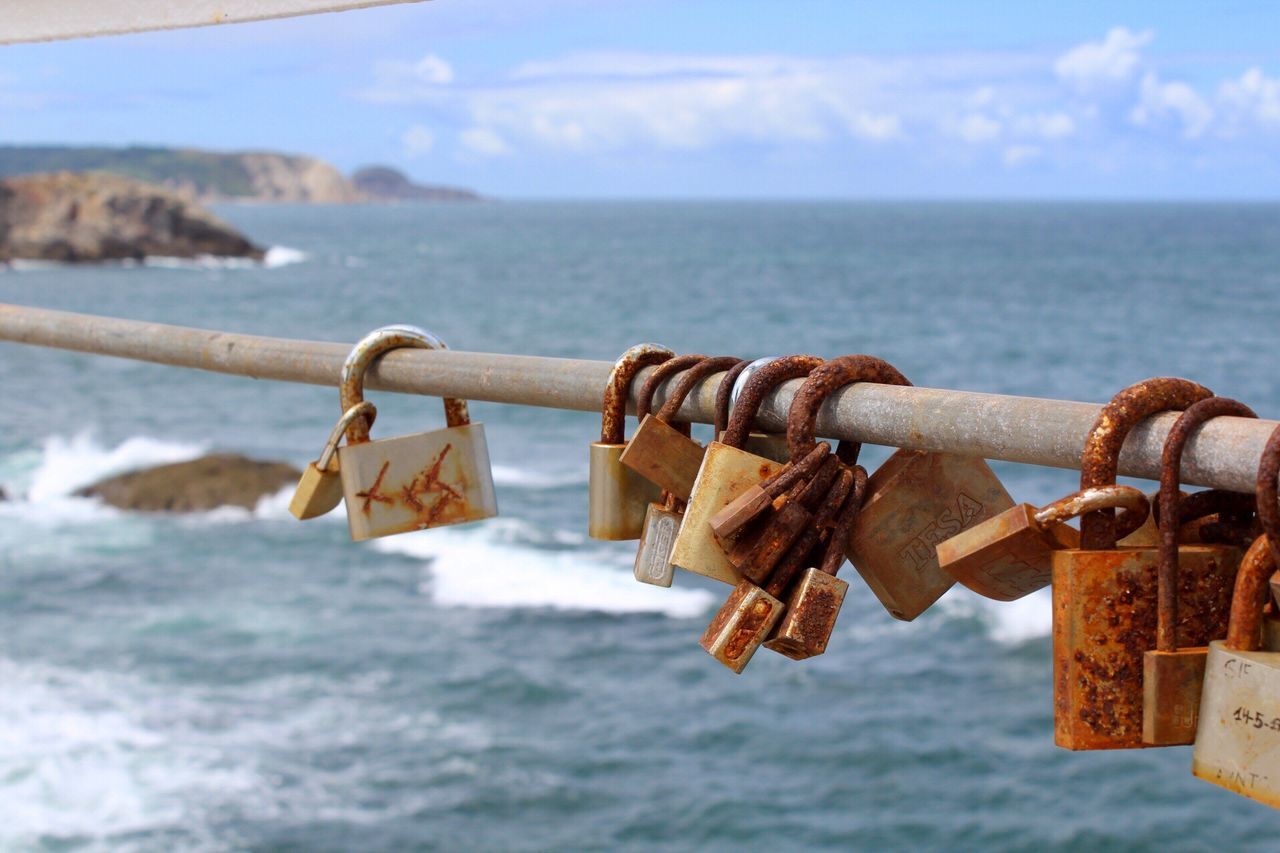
x: 1223, y: 454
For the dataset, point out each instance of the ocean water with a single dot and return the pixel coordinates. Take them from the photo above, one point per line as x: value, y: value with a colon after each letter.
x: 240, y: 680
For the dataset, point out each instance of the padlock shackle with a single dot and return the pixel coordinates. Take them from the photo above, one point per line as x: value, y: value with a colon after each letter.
x: 727, y: 392
x: 820, y: 526
x: 762, y: 380
x: 1170, y: 515
x: 834, y: 556
x: 1102, y: 448
x: 1134, y: 503
x: 613, y: 407
x: 823, y: 381
x: 660, y: 374
x: 363, y: 409
x: 368, y: 349
x: 1244, y: 631
x: 690, y: 378
x: 1265, y: 493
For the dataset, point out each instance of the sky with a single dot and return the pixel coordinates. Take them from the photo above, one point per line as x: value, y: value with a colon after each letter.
x: 703, y: 98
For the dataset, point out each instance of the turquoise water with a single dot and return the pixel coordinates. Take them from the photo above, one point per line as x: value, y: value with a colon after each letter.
x: 240, y: 680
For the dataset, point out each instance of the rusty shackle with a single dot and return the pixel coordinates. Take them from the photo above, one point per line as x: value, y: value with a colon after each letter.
x: 690, y: 378
x: 1265, y: 494
x: 370, y: 348
x: 614, y: 406
x: 757, y: 387
x: 834, y: 556
x: 842, y: 489
x: 1102, y: 448
x: 1170, y: 514
x: 660, y: 374
x: 724, y: 394
x: 823, y: 381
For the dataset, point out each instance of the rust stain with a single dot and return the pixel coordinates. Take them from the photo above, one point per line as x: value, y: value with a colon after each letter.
x: 824, y: 381
x: 613, y: 407
x: 374, y: 493
x: 761, y: 383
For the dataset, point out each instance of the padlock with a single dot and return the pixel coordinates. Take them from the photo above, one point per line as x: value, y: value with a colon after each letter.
x: 1104, y: 597
x: 412, y: 482
x: 618, y: 498
x: 755, y: 556
x: 662, y: 522
x: 809, y: 549
x: 1008, y: 556
x: 320, y: 488
x: 756, y: 500
x: 1237, y: 744
x: 772, y: 446
x: 1171, y: 676
x: 815, y: 601
x: 914, y: 501
x: 740, y: 625
x: 727, y: 471
x: 660, y: 452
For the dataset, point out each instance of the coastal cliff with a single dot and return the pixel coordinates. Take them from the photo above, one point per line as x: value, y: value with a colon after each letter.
x: 213, y: 176
x: 101, y: 217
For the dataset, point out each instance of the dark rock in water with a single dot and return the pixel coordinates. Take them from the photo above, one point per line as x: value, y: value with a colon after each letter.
x: 219, y: 479
x: 95, y: 216
x: 382, y: 183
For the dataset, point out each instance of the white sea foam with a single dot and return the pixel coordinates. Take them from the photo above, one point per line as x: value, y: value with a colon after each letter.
x: 475, y: 567
x: 529, y: 478
x: 276, y: 256
x: 1008, y: 622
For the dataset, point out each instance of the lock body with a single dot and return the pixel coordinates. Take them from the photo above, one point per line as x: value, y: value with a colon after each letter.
x: 318, y: 491
x: 663, y: 455
x: 741, y: 625
x: 618, y: 497
x: 414, y: 482
x: 725, y: 474
x: 1104, y: 620
x: 1008, y: 556
x: 653, y: 557
x: 770, y: 446
x: 1237, y: 744
x: 812, y: 608
x: 915, y: 500
x: 1171, y: 684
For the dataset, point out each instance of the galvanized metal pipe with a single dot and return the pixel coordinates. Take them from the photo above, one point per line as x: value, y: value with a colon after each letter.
x: 1223, y: 454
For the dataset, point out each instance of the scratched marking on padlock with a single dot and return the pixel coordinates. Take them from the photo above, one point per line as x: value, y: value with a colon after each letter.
x: 411, y: 483
x: 919, y: 552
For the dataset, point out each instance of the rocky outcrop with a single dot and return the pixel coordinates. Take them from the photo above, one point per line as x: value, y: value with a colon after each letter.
x: 382, y: 183
x: 221, y: 479
x: 304, y: 180
x: 95, y: 216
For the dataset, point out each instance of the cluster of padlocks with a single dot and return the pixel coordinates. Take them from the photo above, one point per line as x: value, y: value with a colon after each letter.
x: 1163, y: 628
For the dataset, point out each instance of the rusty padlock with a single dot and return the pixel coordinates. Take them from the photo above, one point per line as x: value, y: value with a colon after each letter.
x: 914, y: 501
x: 810, y: 547
x: 660, y: 452
x: 320, y: 488
x: 1237, y: 744
x: 816, y: 598
x: 728, y: 470
x: 1171, y: 676
x: 618, y: 498
x: 1104, y: 597
x: 757, y: 552
x: 771, y: 446
x: 412, y: 482
x: 1009, y: 556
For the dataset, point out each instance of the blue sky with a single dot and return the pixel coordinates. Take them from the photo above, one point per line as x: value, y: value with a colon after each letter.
x: 704, y: 98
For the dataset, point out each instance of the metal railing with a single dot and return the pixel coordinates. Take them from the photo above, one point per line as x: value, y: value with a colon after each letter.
x: 1223, y: 454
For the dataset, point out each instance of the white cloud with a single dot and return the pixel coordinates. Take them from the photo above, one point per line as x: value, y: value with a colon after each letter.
x: 1253, y: 98
x: 1161, y: 103
x: 482, y: 140
x: 417, y: 141
x: 397, y: 81
x: 1056, y: 125
x: 1017, y: 155
x: 1099, y: 63
x: 978, y: 128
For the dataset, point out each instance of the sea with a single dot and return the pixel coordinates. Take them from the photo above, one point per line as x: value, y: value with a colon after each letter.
x: 238, y: 680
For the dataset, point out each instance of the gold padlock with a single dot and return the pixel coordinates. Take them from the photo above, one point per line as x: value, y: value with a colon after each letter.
x: 1009, y: 556
x: 1172, y: 676
x: 320, y: 488
x: 413, y: 482
x: 815, y: 600
x: 1237, y: 744
x: 915, y: 500
x: 658, y: 451
x: 618, y: 497
x: 1104, y: 597
x: 728, y: 469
